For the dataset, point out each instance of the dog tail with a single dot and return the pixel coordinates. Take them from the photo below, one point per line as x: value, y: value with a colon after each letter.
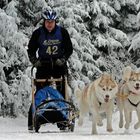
x: 126, y: 73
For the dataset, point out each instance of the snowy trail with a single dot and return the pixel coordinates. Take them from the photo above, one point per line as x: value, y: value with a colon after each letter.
x: 16, y: 129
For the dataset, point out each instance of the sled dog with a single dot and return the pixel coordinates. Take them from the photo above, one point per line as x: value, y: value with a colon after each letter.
x: 128, y: 97
x: 98, y: 97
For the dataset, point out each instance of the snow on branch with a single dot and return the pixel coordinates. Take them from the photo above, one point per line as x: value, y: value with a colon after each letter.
x: 107, y: 9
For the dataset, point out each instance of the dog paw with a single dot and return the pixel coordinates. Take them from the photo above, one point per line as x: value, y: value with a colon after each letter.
x: 126, y: 126
x: 120, y: 125
x: 100, y: 123
x: 137, y: 125
x: 109, y: 129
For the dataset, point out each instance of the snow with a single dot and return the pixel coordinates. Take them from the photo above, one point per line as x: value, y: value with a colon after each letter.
x: 16, y: 129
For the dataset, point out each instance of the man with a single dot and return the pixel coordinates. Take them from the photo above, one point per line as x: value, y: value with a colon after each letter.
x: 53, y: 45
x: 49, y: 49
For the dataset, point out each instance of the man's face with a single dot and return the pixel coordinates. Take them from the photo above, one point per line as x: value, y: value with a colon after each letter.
x: 49, y: 25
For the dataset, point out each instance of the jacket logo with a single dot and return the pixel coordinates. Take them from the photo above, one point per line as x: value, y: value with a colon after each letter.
x: 51, y: 42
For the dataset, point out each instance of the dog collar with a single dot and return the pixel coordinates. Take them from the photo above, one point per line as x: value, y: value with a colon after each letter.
x: 133, y: 93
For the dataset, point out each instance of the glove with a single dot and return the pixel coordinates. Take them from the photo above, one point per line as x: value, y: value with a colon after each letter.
x: 60, y: 62
x: 37, y: 63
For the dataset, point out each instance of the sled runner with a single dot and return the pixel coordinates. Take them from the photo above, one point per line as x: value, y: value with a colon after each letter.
x: 50, y: 105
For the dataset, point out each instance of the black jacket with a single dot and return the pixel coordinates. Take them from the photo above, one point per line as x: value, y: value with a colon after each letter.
x: 33, y: 43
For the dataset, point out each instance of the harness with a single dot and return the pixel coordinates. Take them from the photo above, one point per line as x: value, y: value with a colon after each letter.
x: 126, y: 97
x: 133, y: 103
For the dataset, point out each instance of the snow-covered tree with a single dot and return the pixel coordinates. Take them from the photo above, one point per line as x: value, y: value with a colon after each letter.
x: 134, y: 22
x: 13, y: 60
x: 110, y: 22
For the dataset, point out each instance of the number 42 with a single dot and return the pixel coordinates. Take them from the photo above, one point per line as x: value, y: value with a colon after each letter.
x: 52, y: 50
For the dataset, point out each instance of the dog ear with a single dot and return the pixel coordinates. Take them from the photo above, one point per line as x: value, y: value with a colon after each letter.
x: 126, y: 73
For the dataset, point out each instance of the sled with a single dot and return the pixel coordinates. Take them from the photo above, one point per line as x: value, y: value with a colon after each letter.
x: 63, y: 116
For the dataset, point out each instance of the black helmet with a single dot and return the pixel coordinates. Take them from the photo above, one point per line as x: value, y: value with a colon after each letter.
x: 49, y: 15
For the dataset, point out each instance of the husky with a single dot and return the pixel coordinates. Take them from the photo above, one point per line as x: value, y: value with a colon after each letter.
x: 95, y: 98
x: 128, y: 97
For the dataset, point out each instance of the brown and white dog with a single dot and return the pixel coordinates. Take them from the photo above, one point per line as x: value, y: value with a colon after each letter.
x: 128, y: 98
x: 98, y: 97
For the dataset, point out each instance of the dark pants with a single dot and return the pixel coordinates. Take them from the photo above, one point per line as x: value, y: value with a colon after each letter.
x: 46, y: 73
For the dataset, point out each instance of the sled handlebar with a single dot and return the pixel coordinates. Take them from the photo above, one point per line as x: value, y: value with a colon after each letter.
x: 49, y: 80
x: 44, y: 80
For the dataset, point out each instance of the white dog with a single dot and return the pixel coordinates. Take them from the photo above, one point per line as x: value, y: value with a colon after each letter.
x: 128, y: 98
x: 98, y: 97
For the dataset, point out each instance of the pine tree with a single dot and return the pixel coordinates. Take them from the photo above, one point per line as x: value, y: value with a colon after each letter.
x: 131, y: 23
x: 14, y: 60
x: 108, y: 36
